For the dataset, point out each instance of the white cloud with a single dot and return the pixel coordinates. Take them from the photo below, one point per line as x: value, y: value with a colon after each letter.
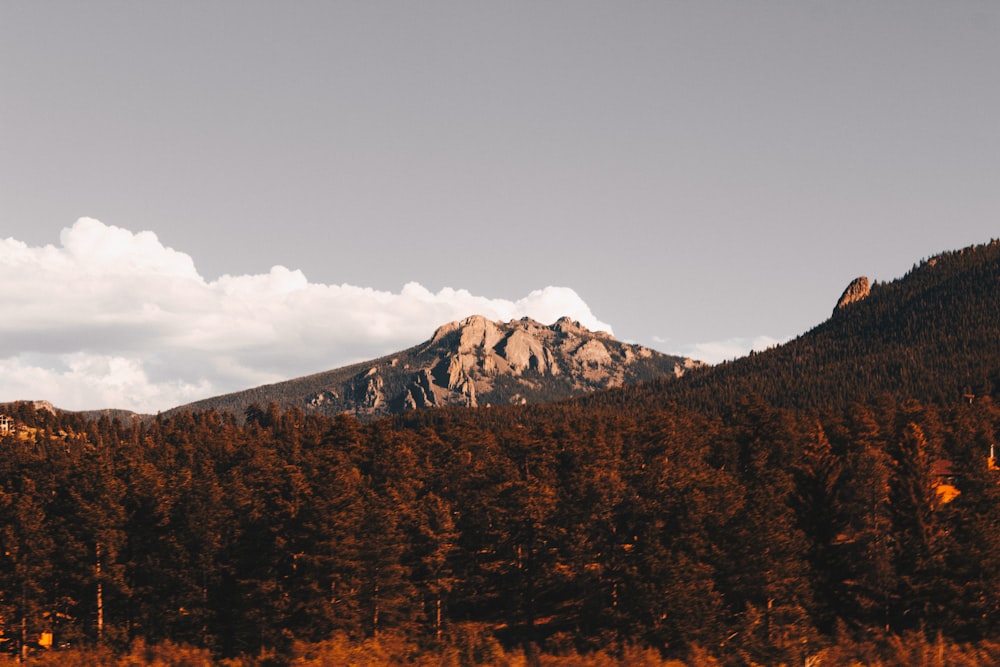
x: 715, y: 352
x: 112, y: 318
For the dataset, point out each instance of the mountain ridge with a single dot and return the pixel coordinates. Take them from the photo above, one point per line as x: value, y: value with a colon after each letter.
x: 473, y: 362
x: 882, y: 337
x: 932, y: 333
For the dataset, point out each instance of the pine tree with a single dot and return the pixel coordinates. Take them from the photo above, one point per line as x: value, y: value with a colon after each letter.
x: 27, y: 557
x: 435, y: 547
x: 765, y: 572
x: 921, y: 538
x: 819, y: 478
x: 862, y: 573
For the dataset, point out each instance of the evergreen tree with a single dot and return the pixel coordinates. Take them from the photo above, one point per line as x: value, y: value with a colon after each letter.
x: 26, y: 573
x: 862, y: 570
x: 765, y: 572
x: 920, y: 536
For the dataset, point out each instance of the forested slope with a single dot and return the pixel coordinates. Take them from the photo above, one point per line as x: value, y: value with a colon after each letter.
x: 933, y: 334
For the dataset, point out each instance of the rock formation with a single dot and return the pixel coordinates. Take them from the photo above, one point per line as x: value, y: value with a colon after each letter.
x: 858, y: 290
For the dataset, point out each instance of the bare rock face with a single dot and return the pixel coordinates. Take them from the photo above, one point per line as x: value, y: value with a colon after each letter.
x: 688, y: 364
x: 44, y: 405
x: 476, y: 332
x: 523, y: 351
x: 476, y: 361
x: 367, y: 391
x: 320, y: 398
x: 593, y: 353
x: 858, y: 290
x: 479, y: 333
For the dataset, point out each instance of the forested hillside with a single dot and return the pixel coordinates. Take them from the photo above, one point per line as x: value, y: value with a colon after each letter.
x: 932, y: 334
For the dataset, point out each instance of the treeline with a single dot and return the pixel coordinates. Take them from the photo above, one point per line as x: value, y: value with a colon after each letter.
x: 764, y: 535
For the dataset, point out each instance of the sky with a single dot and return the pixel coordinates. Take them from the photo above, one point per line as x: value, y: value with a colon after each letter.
x: 197, y: 198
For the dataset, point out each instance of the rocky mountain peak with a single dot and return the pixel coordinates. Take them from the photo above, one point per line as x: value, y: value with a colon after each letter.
x: 474, y: 331
x: 477, y: 359
x: 474, y: 362
x: 858, y: 290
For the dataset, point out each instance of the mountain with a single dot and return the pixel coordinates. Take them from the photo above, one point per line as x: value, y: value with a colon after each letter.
x: 472, y: 362
x: 933, y: 334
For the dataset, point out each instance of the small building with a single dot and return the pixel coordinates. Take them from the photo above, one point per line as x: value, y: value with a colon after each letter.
x: 6, y: 425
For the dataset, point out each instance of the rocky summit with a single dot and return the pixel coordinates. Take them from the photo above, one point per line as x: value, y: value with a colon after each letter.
x: 473, y: 362
x: 858, y: 290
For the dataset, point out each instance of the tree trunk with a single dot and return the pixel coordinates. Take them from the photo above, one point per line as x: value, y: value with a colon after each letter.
x: 437, y: 613
x: 23, y: 656
x: 375, y: 611
x: 100, y: 595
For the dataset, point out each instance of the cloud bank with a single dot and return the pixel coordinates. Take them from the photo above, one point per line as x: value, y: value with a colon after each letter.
x: 112, y: 318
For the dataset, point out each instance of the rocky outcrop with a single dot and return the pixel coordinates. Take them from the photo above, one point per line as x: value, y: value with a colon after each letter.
x: 594, y: 354
x: 686, y: 365
x: 368, y: 391
x: 522, y: 351
x: 44, y: 405
x: 858, y: 290
x: 320, y: 398
x: 476, y: 361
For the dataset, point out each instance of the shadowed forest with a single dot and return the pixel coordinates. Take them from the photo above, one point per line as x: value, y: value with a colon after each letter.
x: 765, y: 537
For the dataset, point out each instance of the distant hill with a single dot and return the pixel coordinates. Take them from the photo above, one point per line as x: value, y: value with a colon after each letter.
x: 45, y: 406
x: 472, y: 362
x: 933, y: 334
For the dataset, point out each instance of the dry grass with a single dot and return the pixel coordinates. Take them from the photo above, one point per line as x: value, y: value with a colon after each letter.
x: 471, y: 647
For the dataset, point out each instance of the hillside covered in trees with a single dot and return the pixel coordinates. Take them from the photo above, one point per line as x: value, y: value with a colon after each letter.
x: 832, y: 501
x: 933, y: 334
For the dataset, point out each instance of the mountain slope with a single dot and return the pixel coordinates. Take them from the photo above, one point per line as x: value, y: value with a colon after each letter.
x: 473, y: 362
x: 933, y: 334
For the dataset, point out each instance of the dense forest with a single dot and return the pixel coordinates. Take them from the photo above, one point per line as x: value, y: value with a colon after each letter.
x: 831, y: 501
x: 763, y: 537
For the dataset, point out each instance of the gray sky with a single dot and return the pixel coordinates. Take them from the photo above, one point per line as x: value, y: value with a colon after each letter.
x: 695, y: 172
